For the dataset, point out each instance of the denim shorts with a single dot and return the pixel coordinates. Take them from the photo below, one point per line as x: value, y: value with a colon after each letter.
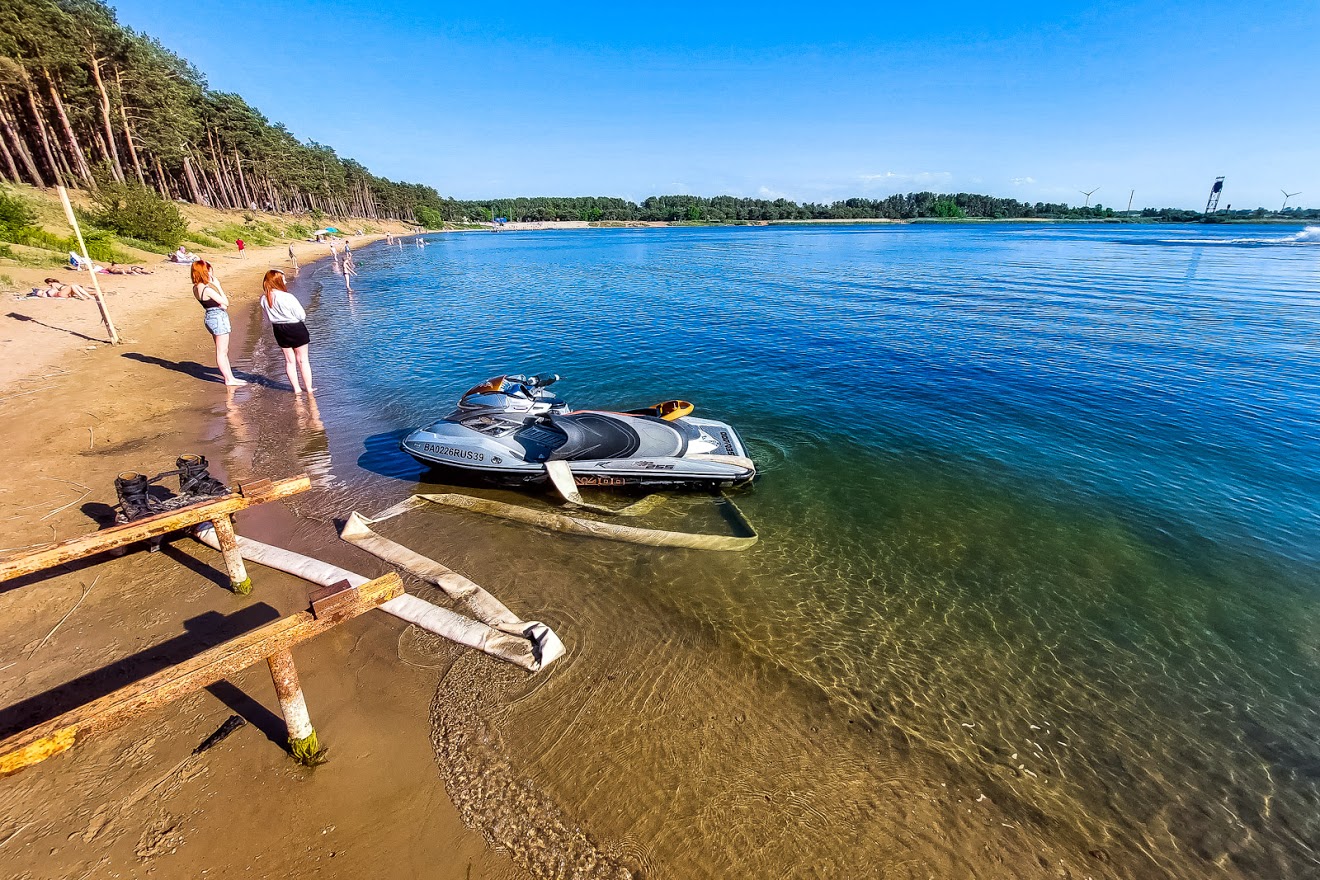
x: 217, y: 321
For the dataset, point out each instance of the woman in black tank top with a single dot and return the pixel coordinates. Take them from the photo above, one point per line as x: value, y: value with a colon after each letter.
x: 207, y: 292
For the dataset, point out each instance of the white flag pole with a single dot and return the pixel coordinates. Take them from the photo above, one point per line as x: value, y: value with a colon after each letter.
x: 91, y: 269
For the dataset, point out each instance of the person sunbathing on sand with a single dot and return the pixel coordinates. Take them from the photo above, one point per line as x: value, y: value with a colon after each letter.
x: 116, y: 269
x: 57, y: 289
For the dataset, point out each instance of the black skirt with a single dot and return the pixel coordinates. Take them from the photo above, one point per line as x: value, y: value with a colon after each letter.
x: 291, y: 335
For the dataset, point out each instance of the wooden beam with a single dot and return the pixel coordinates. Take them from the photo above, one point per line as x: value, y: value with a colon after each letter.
x: 59, y: 734
x: 27, y: 562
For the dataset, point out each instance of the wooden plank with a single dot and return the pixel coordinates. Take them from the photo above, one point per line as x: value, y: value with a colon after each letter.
x: 253, y: 487
x: 59, y: 734
x: 27, y: 562
x: 326, y: 600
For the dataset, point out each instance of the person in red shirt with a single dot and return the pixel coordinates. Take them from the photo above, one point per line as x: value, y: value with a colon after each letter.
x: 241, y: 245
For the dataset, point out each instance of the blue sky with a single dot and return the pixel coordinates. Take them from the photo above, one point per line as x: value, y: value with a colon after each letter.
x: 813, y: 102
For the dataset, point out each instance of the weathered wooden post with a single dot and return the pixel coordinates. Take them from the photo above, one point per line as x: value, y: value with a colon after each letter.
x: 239, y: 581
x: 302, y: 736
x: 91, y: 267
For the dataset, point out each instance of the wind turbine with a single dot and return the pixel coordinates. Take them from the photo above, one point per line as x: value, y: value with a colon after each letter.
x: 1088, y: 195
x: 1286, y: 196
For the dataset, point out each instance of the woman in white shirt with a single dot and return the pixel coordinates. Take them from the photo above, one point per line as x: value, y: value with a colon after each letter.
x: 286, y: 318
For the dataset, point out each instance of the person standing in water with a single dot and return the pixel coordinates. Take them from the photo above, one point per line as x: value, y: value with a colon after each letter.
x: 350, y: 269
x: 286, y: 316
x: 208, y: 292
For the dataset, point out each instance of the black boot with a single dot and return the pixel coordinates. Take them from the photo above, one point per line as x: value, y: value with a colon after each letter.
x: 131, y: 488
x: 194, y: 479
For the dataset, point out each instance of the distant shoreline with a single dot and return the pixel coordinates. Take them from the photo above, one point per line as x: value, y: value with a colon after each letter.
x: 545, y: 225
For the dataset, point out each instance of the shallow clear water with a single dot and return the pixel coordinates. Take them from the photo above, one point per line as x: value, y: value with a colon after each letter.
x: 1040, y: 518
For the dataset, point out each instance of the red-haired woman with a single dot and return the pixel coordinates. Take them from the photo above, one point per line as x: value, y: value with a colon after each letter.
x: 213, y: 299
x: 286, y: 318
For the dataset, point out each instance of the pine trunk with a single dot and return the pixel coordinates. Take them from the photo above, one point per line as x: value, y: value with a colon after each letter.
x: 100, y: 143
x: 216, y: 187
x: 221, y: 177
x: 212, y: 190
x: 227, y: 182
x: 11, y: 172
x: 199, y: 174
x: 115, y: 167
x: 38, y: 123
x: 128, y: 132
x: 191, y: 178
x: 7, y: 124
x: 75, y: 149
x: 170, y: 185
x: 207, y: 189
x: 234, y: 189
x: 65, y: 174
x: 242, y: 182
x: 161, y: 183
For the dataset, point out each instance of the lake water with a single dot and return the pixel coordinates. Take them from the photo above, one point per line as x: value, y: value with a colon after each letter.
x: 1038, y: 589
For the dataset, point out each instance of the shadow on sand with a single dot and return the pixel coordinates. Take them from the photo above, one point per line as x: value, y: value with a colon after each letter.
x: 20, y: 317
x: 203, y: 372
x: 202, y: 632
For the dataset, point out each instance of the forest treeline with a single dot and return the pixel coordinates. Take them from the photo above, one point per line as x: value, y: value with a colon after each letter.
x: 730, y: 209
x: 84, y: 98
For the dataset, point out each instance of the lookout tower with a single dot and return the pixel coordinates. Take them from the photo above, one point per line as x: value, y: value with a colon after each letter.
x: 1212, y: 203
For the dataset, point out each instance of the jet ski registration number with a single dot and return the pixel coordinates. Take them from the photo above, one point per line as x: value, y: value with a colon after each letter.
x: 437, y: 449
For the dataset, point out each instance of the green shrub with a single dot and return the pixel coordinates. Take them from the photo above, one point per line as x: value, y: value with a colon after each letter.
x: 41, y: 260
x: 139, y: 212
x: 148, y: 246
x: 101, y: 247
x: 429, y: 217
x: 204, y: 240
x: 227, y: 234
x: 948, y: 209
x: 16, y: 216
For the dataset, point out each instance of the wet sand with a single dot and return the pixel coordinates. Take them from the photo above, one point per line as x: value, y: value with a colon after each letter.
x: 130, y: 802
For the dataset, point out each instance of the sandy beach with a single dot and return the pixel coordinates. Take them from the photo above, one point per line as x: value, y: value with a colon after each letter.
x: 130, y: 803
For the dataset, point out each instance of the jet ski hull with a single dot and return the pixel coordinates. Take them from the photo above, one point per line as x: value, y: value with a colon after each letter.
x: 511, y: 456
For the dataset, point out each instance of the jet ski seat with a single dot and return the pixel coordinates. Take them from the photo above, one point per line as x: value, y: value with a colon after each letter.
x: 593, y: 435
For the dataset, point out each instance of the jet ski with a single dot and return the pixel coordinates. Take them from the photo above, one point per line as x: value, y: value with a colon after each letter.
x: 508, y: 428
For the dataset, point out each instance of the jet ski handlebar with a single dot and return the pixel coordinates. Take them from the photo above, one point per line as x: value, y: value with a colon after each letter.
x: 543, y: 381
